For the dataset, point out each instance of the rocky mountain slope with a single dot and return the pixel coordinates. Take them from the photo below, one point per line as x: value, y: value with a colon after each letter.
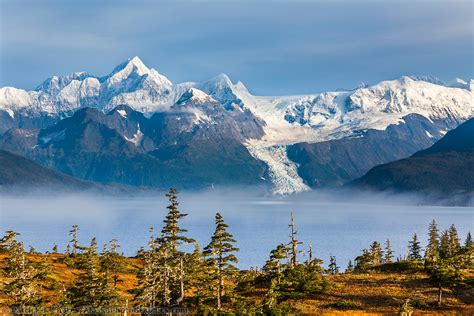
x: 445, y: 169
x: 206, y: 129
x: 335, y: 162
x: 123, y: 146
x: 21, y: 173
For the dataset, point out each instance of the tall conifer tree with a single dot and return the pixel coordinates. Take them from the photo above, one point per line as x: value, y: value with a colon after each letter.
x: 454, y: 242
x: 23, y: 289
x: 468, y: 243
x: 432, y: 249
x: 91, y: 289
x: 220, y: 255
x: 444, y: 245
x: 388, y: 254
x: 414, y: 249
x: 333, y: 268
x: 376, y: 253
x: 274, y: 265
x: 172, y: 265
x: 74, y: 241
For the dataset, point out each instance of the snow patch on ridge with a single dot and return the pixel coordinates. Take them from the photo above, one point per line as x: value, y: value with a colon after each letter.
x: 137, y: 137
x: 122, y: 113
x: 56, y: 136
x: 11, y: 113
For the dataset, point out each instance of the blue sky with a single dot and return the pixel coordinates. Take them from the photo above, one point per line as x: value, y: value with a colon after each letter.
x: 274, y: 47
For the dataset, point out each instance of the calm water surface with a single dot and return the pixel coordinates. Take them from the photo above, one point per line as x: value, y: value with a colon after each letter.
x: 334, y: 226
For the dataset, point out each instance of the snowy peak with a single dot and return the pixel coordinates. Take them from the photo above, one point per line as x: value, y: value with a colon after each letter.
x: 132, y: 64
x: 133, y: 83
x: 223, y: 90
x: 194, y: 95
x: 54, y: 84
x: 410, y: 96
x: 241, y: 87
x: 135, y: 69
x: 221, y: 81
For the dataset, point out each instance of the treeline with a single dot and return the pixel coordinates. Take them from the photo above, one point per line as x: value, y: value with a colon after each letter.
x: 445, y: 259
x: 207, y: 280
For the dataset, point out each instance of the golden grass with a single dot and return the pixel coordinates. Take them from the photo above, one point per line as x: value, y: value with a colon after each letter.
x: 371, y: 294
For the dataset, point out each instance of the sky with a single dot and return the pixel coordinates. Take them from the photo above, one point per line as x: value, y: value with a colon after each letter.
x: 274, y: 47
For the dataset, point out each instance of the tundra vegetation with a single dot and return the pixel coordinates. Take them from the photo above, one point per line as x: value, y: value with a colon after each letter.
x: 164, y: 278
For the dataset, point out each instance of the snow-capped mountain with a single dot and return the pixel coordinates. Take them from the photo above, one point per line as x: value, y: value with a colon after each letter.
x: 332, y: 115
x: 288, y: 118
x: 130, y: 83
x: 270, y: 127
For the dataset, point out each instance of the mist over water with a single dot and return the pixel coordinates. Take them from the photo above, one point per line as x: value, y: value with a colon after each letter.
x: 336, y: 223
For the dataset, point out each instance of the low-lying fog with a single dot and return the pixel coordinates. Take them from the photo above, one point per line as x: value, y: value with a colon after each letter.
x: 336, y: 223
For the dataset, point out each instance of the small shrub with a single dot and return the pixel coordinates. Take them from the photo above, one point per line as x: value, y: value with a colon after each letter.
x: 402, y: 266
x: 418, y: 303
x: 280, y: 309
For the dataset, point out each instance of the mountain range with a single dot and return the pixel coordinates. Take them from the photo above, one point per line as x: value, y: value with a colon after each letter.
x: 135, y: 127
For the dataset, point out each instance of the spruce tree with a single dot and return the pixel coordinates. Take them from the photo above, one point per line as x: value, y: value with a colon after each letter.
x: 364, y: 261
x: 68, y: 250
x: 445, y: 274
x: 91, y: 288
x: 468, y: 243
x: 274, y: 266
x: 149, y: 277
x: 350, y: 267
x: 73, y: 234
x: 110, y: 263
x: 8, y: 240
x: 314, y: 264
x: 376, y: 253
x: 388, y: 254
x: 454, y: 242
x: 449, y: 244
x: 220, y: 256
x: 173, y: 271
x: 171, y: 234
x: 270, y: 300
x: 55, y: 249
x: 333, y: 268
x: 310, y: 253
x: 32, y: 250
x: 23, y: 289
x: 444, y: 245
x: 432, y: 249
x: 197, y: 276
x: 414, y: 249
